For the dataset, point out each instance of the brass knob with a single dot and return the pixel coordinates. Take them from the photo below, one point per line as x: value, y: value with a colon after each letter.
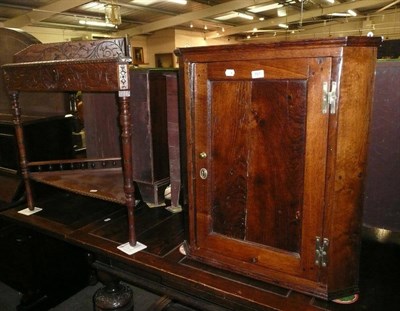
x: 203, y: 155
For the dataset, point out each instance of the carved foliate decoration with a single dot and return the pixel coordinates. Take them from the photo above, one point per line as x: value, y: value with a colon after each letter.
x: 100, y: 75
x: 107, y: 48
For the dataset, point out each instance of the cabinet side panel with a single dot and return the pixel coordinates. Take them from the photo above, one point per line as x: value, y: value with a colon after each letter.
x: 345, y: 203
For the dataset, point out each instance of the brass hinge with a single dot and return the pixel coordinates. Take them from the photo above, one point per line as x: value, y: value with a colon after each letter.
x: 321, y: 251
x: 329, y: 98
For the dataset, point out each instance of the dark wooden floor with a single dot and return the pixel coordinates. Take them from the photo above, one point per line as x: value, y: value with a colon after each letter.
x: 99, y: 227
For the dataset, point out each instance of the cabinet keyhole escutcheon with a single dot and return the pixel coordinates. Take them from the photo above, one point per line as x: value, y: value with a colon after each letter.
x: 203, y: 173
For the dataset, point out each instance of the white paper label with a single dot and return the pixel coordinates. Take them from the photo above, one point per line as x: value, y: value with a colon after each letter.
x: 28, y: 212
x: 130, y: 250
x: 229, y: 72
x: 256, y: 74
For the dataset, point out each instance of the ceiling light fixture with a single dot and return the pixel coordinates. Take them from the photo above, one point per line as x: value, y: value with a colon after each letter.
x: 340, y: 14
x: 112, y: 13
x: 234, y: 14
x: 144, y: 2
x: 245, y: 16
x: 183, y: 2
x: 96, y: 23
x: 263, y: 8
x: 352, y: 13
x: 281, y: 12
x: 229, y: 15
x: 150, y: 2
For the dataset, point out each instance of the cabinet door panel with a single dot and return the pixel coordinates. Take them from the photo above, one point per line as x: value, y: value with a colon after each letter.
x: 258, y: 161
x: 259, y: 168
x: 276, y: 163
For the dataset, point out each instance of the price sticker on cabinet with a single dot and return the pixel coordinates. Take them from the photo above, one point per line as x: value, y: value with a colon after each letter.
x: 229, y: 72
x: 257, y: 74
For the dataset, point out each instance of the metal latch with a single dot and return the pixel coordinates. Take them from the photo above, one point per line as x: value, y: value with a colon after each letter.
x: 329, y: 98
x: 321, y: 251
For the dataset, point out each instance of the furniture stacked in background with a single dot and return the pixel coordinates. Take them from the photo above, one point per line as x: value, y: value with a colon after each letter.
x: 273, y: 162
x: 382, y: 187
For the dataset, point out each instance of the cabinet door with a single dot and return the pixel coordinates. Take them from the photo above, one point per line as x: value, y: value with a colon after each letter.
x: 257, y: 146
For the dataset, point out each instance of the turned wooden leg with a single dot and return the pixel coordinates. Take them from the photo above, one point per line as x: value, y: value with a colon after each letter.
x: 114, y: 296
x: 126, y: 140
x: 19, y: 134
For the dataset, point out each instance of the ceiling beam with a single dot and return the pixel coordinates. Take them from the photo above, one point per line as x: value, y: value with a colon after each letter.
x: 43, y: 12
x: 187, y: 17
x: 343, y: 7
x: 388, y: 6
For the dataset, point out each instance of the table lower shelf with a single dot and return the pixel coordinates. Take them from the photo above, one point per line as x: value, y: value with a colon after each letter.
x: 104, y: 184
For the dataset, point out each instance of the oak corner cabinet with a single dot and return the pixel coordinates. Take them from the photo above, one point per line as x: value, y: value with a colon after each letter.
x: 276, y: 141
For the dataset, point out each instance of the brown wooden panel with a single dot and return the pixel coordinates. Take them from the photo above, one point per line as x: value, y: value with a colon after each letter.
x: 265, y: 129
x: 158, y: 111
x: 149, y: 131
x: 174, y: 140
x: 344, y: 209
x: 229, y: 157
x: 99, y: 75
x: 101, y: 125
x: 106, y: 184
x: 276, y: 163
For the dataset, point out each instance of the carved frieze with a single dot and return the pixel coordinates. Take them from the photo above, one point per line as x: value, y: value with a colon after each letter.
x: 100, y: 75
x: 107, y: 48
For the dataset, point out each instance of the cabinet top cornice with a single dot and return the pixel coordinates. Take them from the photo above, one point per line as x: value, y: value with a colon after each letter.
x: 303, y: 44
